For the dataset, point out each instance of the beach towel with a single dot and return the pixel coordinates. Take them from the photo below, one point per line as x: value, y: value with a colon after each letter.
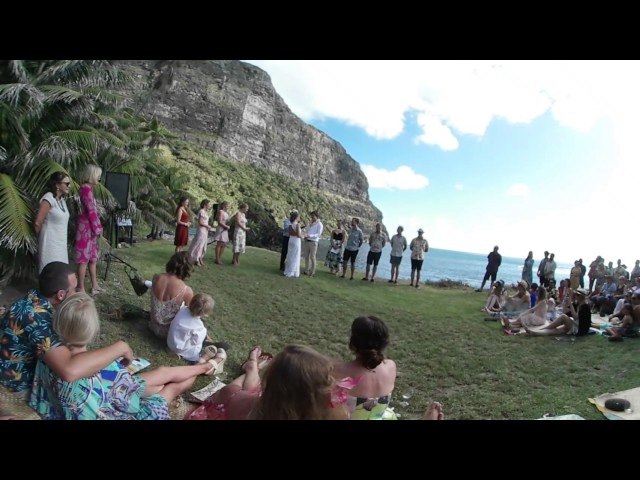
x: 633, y: 396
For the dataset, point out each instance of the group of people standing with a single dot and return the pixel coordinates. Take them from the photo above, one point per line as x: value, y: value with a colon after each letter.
x: 237, y: 225
x: 302, y: 240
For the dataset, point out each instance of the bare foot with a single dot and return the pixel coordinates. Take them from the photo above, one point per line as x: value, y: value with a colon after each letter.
x: 434, y: 412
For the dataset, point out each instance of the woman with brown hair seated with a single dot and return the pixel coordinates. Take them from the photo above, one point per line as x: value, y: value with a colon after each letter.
x: 169, y: 292
x: 496, y: 299
x: 298, y: 385
x: 373, y: 374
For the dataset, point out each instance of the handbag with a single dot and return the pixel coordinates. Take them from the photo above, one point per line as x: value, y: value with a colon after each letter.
x: 137, y: 282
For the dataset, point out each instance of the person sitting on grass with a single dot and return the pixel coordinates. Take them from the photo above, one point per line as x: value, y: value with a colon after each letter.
x: 112, y: 393
x: 375, y: 375
x: 629, y: 327
x: 496, y: 299
x: 169, y: 292
x: 520, y: 302
x: 298, y: 385
x: 533, y: 317
x: 577, y: 324
x: 236, y: 400
x: 187, y: 332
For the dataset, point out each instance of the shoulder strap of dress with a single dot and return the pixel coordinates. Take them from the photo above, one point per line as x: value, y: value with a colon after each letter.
x: 180, y: 293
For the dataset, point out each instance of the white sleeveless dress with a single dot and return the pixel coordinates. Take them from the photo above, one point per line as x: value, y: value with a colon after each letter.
x: 52, y: 241
x: 292, y: 265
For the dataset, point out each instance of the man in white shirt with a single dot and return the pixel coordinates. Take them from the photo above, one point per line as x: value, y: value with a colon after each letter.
x: 419, y: 246
x: 398, y: 246
x: 285, y: 239
x: 310, y: 244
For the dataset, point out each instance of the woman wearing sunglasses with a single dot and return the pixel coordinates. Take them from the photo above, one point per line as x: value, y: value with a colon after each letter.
x: 52, y: 221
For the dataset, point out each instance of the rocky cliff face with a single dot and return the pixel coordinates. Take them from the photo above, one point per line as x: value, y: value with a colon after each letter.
x: 232, y: 109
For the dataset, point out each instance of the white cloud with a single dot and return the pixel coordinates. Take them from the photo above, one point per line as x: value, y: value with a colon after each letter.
x: 518, y: 190
x: 402, y: 178
x: 453, y: 98
x: 459, y: 186
x: 435, y: 133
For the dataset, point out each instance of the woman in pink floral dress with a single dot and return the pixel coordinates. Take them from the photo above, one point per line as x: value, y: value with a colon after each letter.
x: 88, y: 229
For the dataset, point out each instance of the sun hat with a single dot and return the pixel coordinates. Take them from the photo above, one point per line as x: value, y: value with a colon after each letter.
x: 582, y: 291
x: 420, y: 230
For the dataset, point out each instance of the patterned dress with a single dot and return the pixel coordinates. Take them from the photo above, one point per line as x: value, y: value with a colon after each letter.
x: 88, y: 227
x: 162, y: 313
x: 111, y: 394
x: 333, y: 259
x: 52, y: 241
x: 239, y: 234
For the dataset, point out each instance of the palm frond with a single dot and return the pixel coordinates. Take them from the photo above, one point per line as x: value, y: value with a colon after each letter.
x: 103, y: 96
x: 35, y: 183
x: 15, y: 217
x: 60, y: 93
x: 19, y: 70
x: 58, y: 148
x: 13, y: 137
x: 22, y: 95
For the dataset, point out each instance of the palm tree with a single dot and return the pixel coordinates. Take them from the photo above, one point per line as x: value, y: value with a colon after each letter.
x: 53, y: 116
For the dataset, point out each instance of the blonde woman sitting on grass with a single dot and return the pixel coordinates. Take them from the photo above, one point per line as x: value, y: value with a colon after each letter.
x: 111, y: 393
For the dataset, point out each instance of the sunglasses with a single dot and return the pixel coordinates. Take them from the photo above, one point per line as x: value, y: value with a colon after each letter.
x: 68, y: 184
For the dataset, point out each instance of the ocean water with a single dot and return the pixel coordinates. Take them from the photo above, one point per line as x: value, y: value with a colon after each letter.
x: 441, y: 264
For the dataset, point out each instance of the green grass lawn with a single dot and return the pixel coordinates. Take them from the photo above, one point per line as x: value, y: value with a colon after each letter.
x: 444, y: 349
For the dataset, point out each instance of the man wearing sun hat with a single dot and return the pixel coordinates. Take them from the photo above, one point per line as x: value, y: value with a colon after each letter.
x: 418, y: 247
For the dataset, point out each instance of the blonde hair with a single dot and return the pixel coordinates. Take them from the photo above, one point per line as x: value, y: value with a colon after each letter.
x: 91, y: 173
x: 201, y: 305
x: 298, y: 386
x: 76, y: 320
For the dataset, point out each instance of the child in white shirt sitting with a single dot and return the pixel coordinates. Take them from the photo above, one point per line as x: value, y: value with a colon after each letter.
x: 187, y: 332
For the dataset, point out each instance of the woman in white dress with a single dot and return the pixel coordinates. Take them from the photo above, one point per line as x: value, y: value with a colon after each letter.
x: 240, y: 233
x: 52, y: 222
x: 222, y: 231
x: 292, y: 265
x: 199, y: 243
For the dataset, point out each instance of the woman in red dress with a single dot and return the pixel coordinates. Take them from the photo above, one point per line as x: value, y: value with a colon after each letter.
x: 182, y: 228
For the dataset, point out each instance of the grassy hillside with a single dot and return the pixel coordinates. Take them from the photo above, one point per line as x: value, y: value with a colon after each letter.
x: 444, y: 349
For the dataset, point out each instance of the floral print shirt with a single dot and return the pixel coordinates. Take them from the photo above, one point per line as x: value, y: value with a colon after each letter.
x: 26, y: 334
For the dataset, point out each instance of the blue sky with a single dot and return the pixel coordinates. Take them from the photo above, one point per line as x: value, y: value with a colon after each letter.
x: 527, y: 155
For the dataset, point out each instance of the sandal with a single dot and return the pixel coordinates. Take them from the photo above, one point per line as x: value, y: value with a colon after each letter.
x: 209, y: 353
x: 218, y: 367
